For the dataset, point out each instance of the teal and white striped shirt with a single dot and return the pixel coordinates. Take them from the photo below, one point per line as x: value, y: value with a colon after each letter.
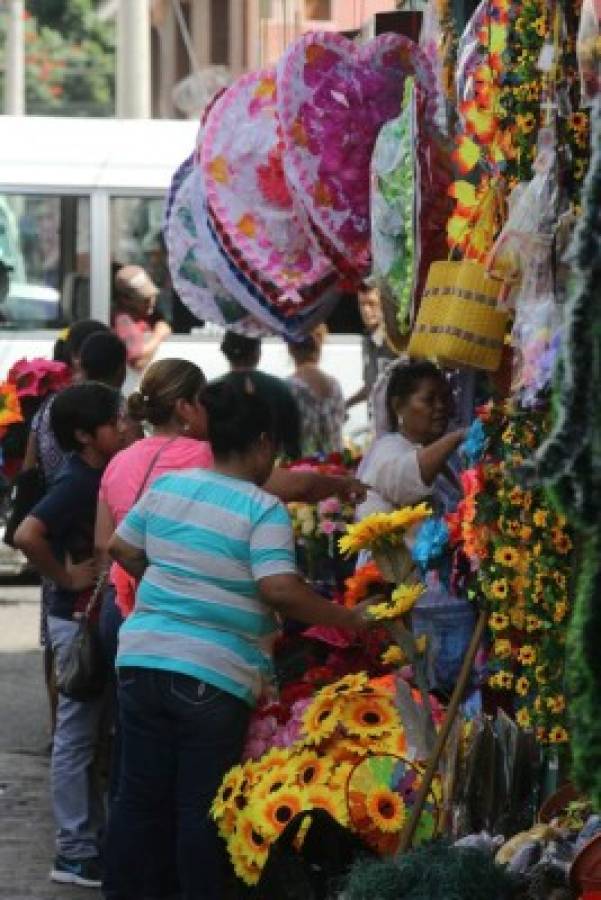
x: 208, y: 538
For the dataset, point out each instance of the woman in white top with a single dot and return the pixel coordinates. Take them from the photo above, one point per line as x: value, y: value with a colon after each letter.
x: 410, y: 464
x: 401, y: 467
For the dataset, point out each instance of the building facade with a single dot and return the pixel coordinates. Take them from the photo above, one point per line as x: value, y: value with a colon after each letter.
x: 222, y: 38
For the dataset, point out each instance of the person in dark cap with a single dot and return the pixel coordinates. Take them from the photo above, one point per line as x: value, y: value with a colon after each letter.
x: 243, y: 354
x: 136, y: 318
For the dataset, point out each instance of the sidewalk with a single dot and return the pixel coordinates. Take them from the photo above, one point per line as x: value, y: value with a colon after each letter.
x: 26, y: 827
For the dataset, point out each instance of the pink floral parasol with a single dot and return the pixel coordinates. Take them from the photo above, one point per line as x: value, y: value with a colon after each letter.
x: 253, y: 217
x: 333, y: 98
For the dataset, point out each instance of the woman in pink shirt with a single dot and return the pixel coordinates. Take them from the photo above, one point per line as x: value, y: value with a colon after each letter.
x: 169, y: 400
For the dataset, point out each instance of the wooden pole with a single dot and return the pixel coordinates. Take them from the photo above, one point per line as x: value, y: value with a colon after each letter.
x: 443, y: 734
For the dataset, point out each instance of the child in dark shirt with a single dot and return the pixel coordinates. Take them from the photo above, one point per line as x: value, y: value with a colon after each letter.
x: 58, y: 538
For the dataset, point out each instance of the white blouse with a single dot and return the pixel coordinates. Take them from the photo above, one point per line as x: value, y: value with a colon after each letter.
x: 391, y: 472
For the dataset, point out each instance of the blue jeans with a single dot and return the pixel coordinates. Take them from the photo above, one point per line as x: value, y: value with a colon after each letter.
x: 179, y: 738
x: 76, y: 794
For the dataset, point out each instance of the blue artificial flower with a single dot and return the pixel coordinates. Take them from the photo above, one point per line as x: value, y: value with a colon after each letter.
x: 431, y: 541
x: 474, y: 445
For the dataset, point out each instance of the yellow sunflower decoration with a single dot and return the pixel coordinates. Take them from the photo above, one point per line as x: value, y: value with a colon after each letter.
x: 369, y: 717
x: 402, y: 601
x: 382, y: 528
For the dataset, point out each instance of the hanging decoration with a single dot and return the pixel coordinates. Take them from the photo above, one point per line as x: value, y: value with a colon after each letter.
x: 333, y: 98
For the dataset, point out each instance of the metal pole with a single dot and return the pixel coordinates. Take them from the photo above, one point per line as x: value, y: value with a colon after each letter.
x: 133, y: 60
x: 14, y: 81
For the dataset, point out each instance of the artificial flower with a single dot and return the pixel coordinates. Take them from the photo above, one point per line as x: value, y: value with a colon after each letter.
x: 508, y: 557
x: 556, y: 704
x: 365, y: 580
x: 540, y: 517
x: 499, y: 621
x: 393, y: 656
x: 385, y: 809
x: 533, y: 623
x: 352, y: 683
x: 380, y: 527
x: 311, y: 769
x: 527, y: 655
x: 402, y: 601
x: 523, y: 718
x: 369, y: 716
x: 558, y: 735
x: 10, y: 408
x: 320, y: 719
x: 502, y: 648
x: 279, y: 808
x: 522, y: 686
x: 541, y: 674
x: 333, y: 801
x: 499, y: 588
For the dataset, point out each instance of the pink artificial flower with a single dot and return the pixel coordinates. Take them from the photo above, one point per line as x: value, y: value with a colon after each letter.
x: 38, y: 377
x: 329, y: 507
x: 327, y: 526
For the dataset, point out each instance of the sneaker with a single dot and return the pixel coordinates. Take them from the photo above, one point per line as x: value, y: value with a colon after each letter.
x: 85, y: 872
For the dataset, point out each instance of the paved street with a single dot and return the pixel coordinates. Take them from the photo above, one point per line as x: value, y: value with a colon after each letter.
x: 26, y: 829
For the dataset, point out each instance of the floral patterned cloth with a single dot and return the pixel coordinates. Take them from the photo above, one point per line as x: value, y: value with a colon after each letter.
x: 321, y: 418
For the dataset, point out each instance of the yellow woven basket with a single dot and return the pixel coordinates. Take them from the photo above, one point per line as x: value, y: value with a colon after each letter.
x: 459, y: 320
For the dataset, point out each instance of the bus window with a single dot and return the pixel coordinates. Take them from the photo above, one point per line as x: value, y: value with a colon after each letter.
x: 45, y: 247
x: 136, y: 238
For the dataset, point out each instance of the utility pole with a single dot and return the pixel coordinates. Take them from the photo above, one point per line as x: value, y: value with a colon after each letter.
x: 14, y: 74
x: 133, y: 60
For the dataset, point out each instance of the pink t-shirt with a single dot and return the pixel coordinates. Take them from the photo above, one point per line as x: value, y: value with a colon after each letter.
x: 126, y: 471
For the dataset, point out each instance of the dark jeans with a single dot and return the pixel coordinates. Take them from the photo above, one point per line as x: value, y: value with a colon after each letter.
x: 109, y: 623
x: 179, y: 738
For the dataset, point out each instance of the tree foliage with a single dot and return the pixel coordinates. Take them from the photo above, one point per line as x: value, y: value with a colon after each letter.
x: 70, y: 59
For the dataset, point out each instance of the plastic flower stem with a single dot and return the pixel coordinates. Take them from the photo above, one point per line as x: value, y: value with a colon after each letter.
x: 462, y: 681
x: 404, y: 638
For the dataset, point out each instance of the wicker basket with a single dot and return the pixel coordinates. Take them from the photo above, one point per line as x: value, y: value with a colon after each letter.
x: 459, y: 320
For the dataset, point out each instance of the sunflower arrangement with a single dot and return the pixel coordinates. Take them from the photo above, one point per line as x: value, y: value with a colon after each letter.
x: 518, y: 550
x: 345, y: 722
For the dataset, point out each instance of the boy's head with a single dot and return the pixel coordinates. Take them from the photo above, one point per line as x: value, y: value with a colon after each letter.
x: 370, y: 306
x: 103, y: 358
x: 135, y: 291
x: 87, y: 417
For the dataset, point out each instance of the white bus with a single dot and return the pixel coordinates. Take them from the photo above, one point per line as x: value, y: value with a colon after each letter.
x: 80, y: 197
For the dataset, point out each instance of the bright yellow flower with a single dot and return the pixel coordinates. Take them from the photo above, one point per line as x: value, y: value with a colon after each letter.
x: 381, y: 527
x: 502, y: 648
x: 533, y: 623
x: 537, y: 549
x: 522, y: 686
x: 499, y: 621
x: 505, y: 680
x: 402, y: 601
x: 393, y: 656
x: 350, y: 684
x: 557, y: 704
x: 320, y: 719
x: 558, y: 735
x: 560, y: 612
x: 518, y: 618
x: 499, y: 589
x: 369, y: 716
x: 278, y: 809
x: 247, y: 871
x: 311, y: 769
x: 523, y: 718
x: 385, y: 809
x: 525, y: 533
x: 507, y: 556
x: 230, y: 788
x: 527, y: 655
x: 540, y: 673
x: 540, y: 518
x: 561, y: 541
